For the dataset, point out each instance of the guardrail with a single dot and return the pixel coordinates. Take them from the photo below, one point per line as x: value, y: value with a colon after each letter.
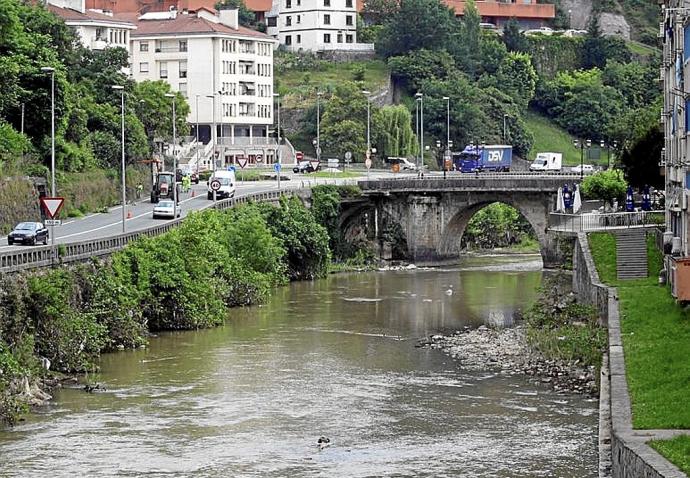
x: 591, y: 222
x: 438, y: 175
x: 34, y: 257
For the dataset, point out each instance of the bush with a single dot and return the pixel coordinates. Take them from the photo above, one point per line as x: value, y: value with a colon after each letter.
x: 605, y: 185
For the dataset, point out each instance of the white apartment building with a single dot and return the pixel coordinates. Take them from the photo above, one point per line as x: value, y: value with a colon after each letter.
x: 202, y: 55
x: 315, y: 25
x: 96, y: 30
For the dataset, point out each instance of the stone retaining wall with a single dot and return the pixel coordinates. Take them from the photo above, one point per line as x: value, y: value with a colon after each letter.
x: 630, y: 456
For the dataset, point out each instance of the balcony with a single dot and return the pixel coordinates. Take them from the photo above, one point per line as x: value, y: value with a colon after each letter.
x: 98, y: 44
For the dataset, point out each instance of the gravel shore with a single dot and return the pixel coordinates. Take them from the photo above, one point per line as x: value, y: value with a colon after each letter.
x: 507, y: 350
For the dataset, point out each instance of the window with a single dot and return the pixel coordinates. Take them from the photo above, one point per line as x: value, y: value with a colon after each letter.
x: 272, y: 21
x: 348, y: 38
x: 144, y: 46
x: 327, y: 19
x: 326, y: 37
x: 348, y: 3
x: 299, y: 40
x: 183, y: 69
x: 99, y: 33
x: 288, y: 39
x: 348, y: 20
x: 288, y: 3
x: 288, y: 21
x: 299, y: 3
x: 143, y: 67
x: 183, y: 45
x: 163, y: 69
x: 182, y: 88
x: 326, y: 3
x: 340, y: 37
x: 299, y: 20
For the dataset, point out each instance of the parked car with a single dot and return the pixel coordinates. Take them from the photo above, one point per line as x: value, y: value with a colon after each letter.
x: 166, y: 209
x: 28, y: 233
x: 586, y: 168
x: 305, y: 167
x: 575, y: 33
x: 540, y: 31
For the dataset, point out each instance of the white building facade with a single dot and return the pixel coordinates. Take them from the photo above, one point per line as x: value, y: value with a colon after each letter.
x: 315, y: 25
x: 96, y: 30
x: 210, y: 59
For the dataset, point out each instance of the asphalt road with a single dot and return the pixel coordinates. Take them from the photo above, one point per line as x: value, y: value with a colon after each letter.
x: 100, y: 225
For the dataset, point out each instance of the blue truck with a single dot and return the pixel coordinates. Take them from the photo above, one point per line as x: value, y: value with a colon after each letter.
x: 478, y: 158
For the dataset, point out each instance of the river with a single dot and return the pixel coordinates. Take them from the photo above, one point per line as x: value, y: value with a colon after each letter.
x: 334, y: 358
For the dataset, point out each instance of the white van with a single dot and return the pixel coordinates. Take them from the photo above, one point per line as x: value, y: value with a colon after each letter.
x: 547, y: 162
x: 227, y: 184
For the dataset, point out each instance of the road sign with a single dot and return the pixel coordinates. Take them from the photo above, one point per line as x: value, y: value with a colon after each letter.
x: 242, y: 162
x: 318, y: 151
x: 367, y: 163
x: 259, y: 158
x: 315, y: 164
x: 277, y: 167
x: 348, y: 156
x: 215, y: 185
x: 53, y: 222
x: 52, y: 206
x: 232, y: 168
x: 299, y: 155
x: 368, y: 154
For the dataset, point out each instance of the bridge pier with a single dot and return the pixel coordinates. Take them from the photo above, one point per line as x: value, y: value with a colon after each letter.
x: 424, y: 227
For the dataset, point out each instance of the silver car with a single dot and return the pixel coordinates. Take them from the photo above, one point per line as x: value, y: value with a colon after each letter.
x: 166, y: 209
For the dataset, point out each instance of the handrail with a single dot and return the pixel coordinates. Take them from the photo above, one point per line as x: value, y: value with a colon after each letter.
x: 589, y: 222
x: 42, y: 256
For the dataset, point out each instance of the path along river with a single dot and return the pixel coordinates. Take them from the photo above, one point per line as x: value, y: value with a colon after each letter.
x: 333, y: 358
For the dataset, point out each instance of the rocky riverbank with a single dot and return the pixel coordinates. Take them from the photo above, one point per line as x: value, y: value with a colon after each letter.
x: 507, y: 350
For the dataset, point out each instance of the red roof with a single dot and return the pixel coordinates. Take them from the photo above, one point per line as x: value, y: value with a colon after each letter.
x: 68, y: 14
x: 506, y: 10
x: 185, y: 24
x: 258, y: 5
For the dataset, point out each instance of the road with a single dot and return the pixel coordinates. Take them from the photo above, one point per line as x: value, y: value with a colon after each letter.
x: 100, y: 225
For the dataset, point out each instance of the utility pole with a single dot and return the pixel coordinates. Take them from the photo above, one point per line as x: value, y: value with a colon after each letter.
x: 121, y: 89
x: 213, y: 139
x: 174, y: 131
x: 318, y: 127
x: 51, y: 70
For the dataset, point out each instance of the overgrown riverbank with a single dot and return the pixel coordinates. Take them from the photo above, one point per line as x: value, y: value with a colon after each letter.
x: 558, y: 342
x: 56, y: 321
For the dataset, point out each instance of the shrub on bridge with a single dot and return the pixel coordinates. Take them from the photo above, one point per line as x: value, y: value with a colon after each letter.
x: 605, y: 185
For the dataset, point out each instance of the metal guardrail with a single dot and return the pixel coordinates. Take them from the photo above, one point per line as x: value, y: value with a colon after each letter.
x: 438, y: 175
x: 34, y: 257
x: 592, y: 222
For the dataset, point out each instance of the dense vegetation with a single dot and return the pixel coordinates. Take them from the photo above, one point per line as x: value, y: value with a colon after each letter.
x: 184, y: 279
x: 498, y: 225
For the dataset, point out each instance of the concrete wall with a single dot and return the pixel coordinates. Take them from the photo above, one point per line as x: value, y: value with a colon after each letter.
x: 630, y: 456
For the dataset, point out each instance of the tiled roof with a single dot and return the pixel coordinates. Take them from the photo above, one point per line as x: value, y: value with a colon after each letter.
x: 186, y: 24
x: 68, y: 14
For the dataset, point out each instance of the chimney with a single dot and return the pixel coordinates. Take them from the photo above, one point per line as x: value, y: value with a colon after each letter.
x: 229, y: 18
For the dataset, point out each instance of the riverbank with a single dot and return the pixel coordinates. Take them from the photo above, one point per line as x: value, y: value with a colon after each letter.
x: 507, y: 350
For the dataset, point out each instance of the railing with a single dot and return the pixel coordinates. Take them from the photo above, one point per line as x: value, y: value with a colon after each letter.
x: 590, y: 222
x: 247, y: 141
x: 34, y: 257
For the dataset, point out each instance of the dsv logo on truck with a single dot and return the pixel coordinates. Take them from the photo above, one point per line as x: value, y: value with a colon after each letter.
x: 495, y: 156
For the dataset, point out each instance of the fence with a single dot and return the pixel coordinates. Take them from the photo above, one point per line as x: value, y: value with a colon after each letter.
x: 574, y: 223
x: 34, y: 257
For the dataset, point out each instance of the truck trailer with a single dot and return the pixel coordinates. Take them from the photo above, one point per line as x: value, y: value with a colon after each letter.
x: 479, y: 158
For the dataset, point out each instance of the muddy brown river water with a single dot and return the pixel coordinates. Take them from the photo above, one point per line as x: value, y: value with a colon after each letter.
x: 333, y: 358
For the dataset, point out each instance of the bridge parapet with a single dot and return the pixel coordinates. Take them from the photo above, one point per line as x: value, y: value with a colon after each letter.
x: 527, y: 182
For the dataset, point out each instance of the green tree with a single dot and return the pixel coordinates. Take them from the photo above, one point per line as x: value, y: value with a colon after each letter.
x: 468, y: 47
x: 512, y: 36
x: 155, y: 110
x: 420, y: 65
x: 635, y: 81
x: 376, y: 11
x: 517, y: 78
x: 418, y: 24
x: 398, y: 138
x: 605, y: 185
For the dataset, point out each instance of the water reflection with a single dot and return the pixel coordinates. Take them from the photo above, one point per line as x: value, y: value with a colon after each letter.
x: 336, y: 358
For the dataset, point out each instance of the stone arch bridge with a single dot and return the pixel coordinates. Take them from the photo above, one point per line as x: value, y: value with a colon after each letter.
x: 432, y: 213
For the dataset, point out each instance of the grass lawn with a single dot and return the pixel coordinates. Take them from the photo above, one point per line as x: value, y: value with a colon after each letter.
x: 548, y: 137
x: 677, y: 451
x: 341, y: 175
x: 656, y: 340
x: 298, y: 88
x: 641, y: 49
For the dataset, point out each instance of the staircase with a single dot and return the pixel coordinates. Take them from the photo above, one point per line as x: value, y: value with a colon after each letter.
x: 631, y: 254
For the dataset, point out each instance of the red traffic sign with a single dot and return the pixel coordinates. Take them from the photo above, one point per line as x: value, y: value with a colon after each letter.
x: 299, y: 155
x: 242, y: 162
x: 314, y: 164
x: 215, y: 185
x: 52, y: 206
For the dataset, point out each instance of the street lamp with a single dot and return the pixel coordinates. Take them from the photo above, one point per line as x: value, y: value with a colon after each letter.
x: 121, y: 89
x: 368, y: 154
x: 603, y: 144
x: 420, y: 99
x: 318, y: 126
x: 197, y: 136
x: 51, y: 70
x: 213, y: 140
x: 581, y: 143
x: 277, y: 97
x: 570, y: 18
x: 446, y: 155
x: 174, y: 128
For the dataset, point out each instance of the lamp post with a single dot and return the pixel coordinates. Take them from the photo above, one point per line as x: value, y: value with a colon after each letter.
x: 174, y: 131
x: 420, y: 98
x: 121, y: 89
x: 318, y: 126
x: 278, y: 153
x: 213, y: 139
x: 570, y: 18
x: 446, y: 155
x: 368, y: 153
x: 197, y: 136
x: 603, y: 144
x: 581, y: 143
x: 51, y: 70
